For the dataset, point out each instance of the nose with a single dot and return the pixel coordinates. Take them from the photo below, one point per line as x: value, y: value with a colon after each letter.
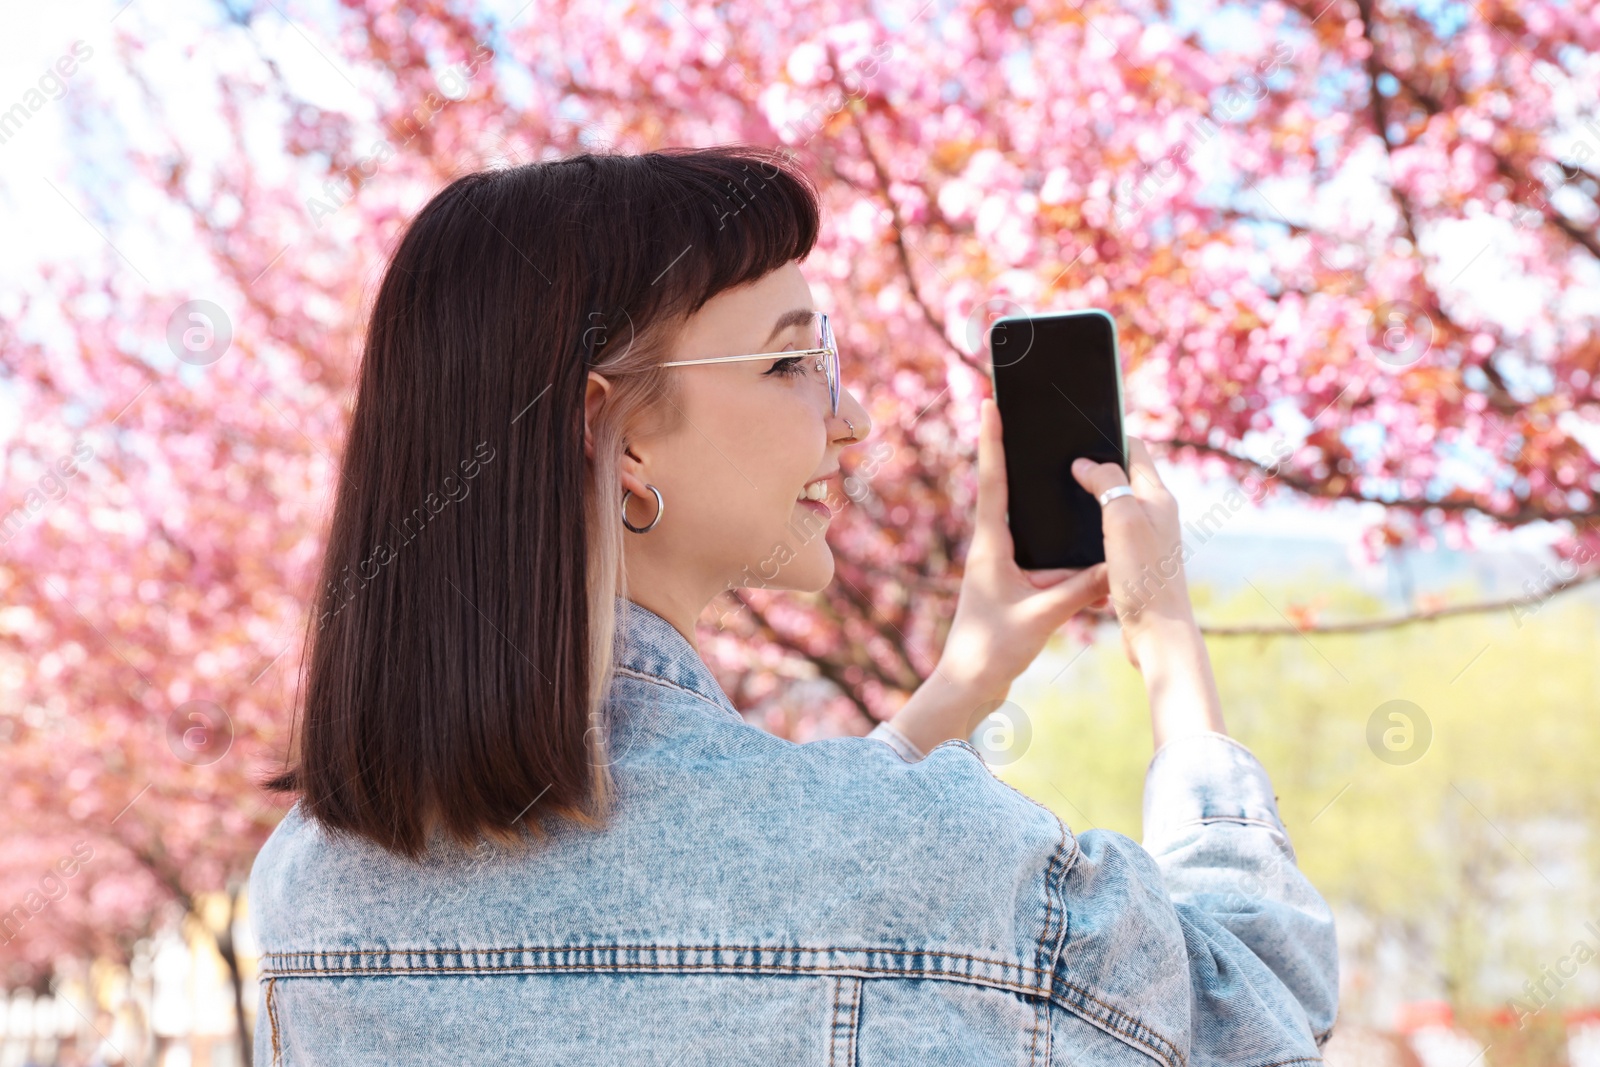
x: 859, y: 422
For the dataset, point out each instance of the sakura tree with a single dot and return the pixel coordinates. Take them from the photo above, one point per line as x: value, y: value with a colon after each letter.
x: 1272, y: 199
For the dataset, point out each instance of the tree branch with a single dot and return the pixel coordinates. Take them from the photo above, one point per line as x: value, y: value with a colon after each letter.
x: 904, y: 255
x: 1526, y: 511
x: 1531, y: 603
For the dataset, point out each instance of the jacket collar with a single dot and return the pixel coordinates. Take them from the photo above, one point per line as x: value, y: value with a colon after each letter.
x: 651, y: 648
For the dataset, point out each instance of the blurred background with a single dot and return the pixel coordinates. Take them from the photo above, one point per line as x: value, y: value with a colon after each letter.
x: 1353, y: 252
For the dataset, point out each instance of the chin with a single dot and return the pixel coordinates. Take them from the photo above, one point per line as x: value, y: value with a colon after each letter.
x: 809, y: 571
x: 814, y: 578
x: 800, y: 561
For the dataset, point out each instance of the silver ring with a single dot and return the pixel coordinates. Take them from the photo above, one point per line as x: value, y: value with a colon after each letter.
x: 852, y: 426
x: 1115, y: 491
x: 661, y: 506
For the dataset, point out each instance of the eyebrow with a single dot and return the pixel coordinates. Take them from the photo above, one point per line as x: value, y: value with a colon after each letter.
x: 789, y: 320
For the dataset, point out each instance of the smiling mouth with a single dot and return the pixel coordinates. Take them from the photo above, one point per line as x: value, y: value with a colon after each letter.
x: 814, y: 492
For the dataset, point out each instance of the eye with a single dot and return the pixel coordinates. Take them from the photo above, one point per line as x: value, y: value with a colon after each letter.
x: 788, y: 368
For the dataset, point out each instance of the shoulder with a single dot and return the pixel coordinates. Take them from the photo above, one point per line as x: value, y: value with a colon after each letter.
x: 665, y: 740
x: 951, y: 787
x: 305, y: 872
x: 286, y: 869
x: 861, y: 787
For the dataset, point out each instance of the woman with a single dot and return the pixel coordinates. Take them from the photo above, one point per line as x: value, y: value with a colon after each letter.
x: 532, y: 828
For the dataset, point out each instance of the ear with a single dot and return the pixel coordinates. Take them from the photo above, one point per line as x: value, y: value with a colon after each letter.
x: 595, y: 394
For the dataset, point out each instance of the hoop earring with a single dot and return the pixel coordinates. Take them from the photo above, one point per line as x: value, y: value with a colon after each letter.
x: 661, y: 506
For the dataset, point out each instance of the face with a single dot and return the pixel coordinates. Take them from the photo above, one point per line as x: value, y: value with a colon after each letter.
x: 751, y: 436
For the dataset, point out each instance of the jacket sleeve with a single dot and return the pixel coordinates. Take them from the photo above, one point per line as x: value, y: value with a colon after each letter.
x: 1211, y: 823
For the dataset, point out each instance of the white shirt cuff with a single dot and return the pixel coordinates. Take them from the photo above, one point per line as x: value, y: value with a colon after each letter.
x: 897, y: 741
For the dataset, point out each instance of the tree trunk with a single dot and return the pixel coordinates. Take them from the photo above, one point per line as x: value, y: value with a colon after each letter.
x: 154, y: 858
x: 224, y: 939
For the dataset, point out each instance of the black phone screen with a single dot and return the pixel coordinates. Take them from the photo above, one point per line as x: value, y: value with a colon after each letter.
x: 1058, y: 387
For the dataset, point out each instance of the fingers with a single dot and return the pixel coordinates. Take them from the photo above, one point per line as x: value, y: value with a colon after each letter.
x: 1146, y: 481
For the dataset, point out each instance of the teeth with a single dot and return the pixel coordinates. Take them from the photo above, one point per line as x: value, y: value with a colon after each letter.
x: 815, y: 491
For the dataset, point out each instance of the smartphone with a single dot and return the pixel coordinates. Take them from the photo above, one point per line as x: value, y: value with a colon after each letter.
x: 1058, y: 386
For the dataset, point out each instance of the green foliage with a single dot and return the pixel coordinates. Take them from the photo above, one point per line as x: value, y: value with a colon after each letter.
x: 1480, y: 856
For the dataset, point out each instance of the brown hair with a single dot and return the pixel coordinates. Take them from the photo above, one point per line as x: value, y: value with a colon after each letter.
x: 461, y: 641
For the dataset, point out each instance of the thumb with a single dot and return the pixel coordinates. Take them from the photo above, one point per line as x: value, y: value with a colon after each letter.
x: 1073, y: 594
x: 1097, y: 477
x: 992, y: 533
x: 1045, y: 579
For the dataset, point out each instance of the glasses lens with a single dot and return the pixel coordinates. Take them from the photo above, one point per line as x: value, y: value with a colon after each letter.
x: 831, y: 360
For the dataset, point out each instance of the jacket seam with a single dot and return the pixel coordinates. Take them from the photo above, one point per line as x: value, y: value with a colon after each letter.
x: 656, y: 679
x: 272, y: 1022
x: 844, y: 1023
x: 1120, y: 1024
x: 855, y: 1017
x: 601, y: 968
x: 1002, y: 964
x: 1049, y: 942
x: 1249, y: 820
x: 833, y: 1021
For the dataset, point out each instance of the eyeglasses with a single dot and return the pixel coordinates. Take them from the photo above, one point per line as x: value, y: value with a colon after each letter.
x: 825, y: 351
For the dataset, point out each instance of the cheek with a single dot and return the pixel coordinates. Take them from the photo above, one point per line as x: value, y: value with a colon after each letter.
x: 778, y: 452
x: 742, y: 463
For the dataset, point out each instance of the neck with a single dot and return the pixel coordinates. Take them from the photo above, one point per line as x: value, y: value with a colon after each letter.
x: 679, y: 610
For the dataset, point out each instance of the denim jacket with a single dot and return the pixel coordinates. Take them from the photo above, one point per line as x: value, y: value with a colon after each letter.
x: 844, y: 901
